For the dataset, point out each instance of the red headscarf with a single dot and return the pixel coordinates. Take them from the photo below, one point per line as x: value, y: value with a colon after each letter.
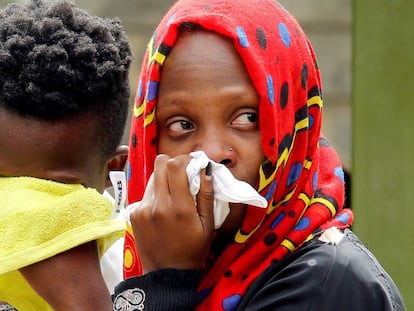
x: 301, y: 177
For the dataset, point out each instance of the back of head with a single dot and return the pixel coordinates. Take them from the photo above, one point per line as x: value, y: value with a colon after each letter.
x: 57, y: 61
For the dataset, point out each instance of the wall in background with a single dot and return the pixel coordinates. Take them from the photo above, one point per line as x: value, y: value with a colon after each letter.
x: 383, y: 135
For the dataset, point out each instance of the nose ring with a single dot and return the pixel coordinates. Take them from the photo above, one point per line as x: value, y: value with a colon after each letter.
x: 230, y: 149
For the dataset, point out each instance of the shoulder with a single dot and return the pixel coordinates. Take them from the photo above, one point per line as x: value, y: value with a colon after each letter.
x: 354, y: 273
x: 327, y: 276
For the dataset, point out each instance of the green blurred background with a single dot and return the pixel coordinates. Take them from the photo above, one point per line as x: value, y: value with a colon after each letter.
x: 383, y: 134
x: 366, y: 55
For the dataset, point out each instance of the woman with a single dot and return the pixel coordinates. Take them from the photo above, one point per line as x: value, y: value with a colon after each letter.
x: 238, y: 80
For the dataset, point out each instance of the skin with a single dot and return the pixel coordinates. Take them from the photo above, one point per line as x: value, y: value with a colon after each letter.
x: 206, y: 102
x: 65, y: 151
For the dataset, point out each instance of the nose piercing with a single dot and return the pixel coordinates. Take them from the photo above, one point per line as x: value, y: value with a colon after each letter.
x: 230, y: 149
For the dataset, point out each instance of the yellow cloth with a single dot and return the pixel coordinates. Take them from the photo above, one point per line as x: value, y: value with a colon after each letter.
x: 41, y: 218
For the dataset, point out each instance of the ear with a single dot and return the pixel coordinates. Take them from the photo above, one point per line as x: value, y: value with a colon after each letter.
x: 117, y: 162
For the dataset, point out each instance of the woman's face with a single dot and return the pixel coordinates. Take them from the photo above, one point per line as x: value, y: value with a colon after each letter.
x: 207, y: 102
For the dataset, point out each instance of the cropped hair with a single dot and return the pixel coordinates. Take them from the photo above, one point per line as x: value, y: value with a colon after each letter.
x: 58, y: 61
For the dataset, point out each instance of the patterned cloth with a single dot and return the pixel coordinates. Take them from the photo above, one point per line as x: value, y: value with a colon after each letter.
x: 301, y: 178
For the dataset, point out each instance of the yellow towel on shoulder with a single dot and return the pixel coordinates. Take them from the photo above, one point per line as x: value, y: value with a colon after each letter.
x: 41, y: 218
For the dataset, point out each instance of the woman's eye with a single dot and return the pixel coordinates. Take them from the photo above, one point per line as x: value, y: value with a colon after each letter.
x: 179, y: 126
x: 246, y: 119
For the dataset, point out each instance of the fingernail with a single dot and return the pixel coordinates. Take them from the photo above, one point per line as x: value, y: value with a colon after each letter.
x: 208, y: 170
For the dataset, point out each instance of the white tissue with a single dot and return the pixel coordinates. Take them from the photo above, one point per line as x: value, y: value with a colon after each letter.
x: 226, y: 188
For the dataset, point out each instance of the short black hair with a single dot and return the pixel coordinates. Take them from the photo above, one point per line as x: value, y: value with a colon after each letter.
x: 57, y: 60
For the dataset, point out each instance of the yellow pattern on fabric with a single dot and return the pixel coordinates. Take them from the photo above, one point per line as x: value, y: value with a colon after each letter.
x: 139, y: 110
x: 288, y: 244
x: 326, y: 203
x: 128, y: 254
x: 285, y: 154
x: 154, y: 54
x: 149, y: 118
x: 263, y: 180
x: 41, y: 218
x: 315, y: 100
x: 242, y: 238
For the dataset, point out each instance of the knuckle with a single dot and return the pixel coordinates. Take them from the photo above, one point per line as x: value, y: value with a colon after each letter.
x: 178, y: 162
x: 160, y: 159
x: 174, y: 163
x: 206, y: 195
x: 140, y: 214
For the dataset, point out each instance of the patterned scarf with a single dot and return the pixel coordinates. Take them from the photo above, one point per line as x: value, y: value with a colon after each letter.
x: 301, y: 178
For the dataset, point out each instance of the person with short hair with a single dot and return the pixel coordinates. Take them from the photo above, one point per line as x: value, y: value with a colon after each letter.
x: 64, y: 94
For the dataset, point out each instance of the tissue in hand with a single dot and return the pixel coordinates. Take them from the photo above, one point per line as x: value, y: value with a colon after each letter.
x: 227, y: 189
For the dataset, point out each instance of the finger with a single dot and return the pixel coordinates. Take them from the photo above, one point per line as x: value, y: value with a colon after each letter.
x: 160, y: 182
x: 178, y: 181
x: 149, y: 191
x: 205, y: 200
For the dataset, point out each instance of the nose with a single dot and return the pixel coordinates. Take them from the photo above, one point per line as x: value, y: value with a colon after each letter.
x: 219, y: 151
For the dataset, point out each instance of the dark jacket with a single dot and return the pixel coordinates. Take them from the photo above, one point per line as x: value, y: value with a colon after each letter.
x: 319, y: 276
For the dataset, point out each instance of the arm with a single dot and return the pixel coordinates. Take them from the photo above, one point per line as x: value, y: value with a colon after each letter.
x: 172, y: 236
x: 71, y: 280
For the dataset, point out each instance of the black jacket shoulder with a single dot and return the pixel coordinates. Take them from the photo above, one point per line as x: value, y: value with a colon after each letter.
x: 325, y: 276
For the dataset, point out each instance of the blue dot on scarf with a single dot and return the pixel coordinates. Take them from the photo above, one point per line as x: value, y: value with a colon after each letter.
x: 270, y: 89
x: 343, y: 218
x: 294, y: 173
x: 310, y: 118
x: 171, y: 19
x: 284, y: 34
x: 244, y: 42
x: 139, y: 91
x: 314, y: 181
x: 128, y: 171
x: 231, y: 303
x: 271, y: 190
x: 339, y: 172
x: 303, y: 224
x: 277, y: 221
x: 152, y: 90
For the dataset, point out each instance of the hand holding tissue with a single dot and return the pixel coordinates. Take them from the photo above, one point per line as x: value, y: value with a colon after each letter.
x: 227, y: 189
